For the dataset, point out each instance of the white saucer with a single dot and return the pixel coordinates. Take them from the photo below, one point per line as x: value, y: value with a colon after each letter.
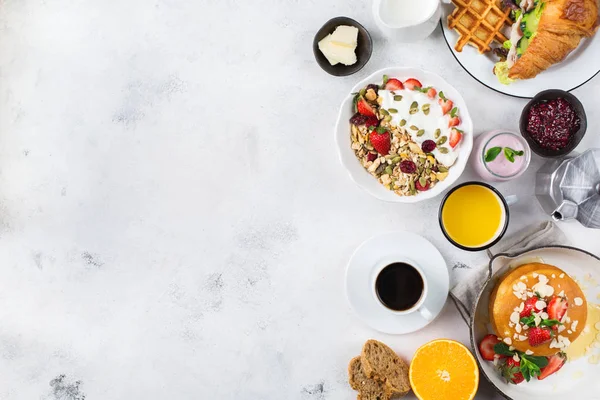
x: 359, y: 280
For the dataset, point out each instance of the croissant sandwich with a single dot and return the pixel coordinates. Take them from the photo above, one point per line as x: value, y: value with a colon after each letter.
x: 544, y: 34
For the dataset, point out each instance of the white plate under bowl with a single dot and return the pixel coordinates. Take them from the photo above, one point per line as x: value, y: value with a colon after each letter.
x: 579, y: 67
x: 577, y: 378
x: 359, y: 277
x: 360, y: 175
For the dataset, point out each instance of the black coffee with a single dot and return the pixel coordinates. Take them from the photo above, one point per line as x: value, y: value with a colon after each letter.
x: 399, y: 286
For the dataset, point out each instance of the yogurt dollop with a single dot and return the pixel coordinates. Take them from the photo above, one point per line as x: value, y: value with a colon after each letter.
x: 430, y: 122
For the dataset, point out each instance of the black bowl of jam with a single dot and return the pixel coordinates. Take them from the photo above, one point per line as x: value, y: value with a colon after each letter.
x: 553, y: 123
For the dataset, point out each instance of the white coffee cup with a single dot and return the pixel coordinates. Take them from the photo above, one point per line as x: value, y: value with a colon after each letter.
x: 419, y: 305
x: 407, y: 20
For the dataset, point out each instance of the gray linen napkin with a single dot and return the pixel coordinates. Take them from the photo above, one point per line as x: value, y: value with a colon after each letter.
x: 465, y: 292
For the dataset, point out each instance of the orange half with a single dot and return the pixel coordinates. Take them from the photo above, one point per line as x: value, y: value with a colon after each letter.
x: 444, y: 369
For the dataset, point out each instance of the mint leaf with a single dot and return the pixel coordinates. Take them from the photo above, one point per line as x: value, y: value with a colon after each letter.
x: 453, y: 112
x: 503, y: 349
x: 355, y: 102
x: 510, y: 154
x: 538, y: 361
x: 441, y: 94
x: 515, y: 152
x: 529, y: 321
x: 492, y: 153
x: 550, y: 322
x: 385, y: 79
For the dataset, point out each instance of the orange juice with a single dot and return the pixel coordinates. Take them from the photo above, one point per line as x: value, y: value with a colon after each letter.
x: 473, y: 216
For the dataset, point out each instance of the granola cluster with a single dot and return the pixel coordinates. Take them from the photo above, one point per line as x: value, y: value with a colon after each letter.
x: 406, y: 169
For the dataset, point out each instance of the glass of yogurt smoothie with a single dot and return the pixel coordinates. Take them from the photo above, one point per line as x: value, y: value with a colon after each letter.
x: 500, y: 155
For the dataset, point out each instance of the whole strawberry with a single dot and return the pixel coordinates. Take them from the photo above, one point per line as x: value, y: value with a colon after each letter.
x: 538, y: 336
x: 512, y: 371
x: 380, y: 140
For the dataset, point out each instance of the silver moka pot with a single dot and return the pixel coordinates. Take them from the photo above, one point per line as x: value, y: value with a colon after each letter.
x: 570, y: 188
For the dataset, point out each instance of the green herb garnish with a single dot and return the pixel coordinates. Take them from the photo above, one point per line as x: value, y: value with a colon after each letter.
x: 510, y: 154
x: 492, y: 153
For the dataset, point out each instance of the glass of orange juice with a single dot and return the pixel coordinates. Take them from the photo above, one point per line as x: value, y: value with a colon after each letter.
x: 474, y: 216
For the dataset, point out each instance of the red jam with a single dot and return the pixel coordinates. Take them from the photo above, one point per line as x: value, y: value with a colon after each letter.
x: 553, y: 123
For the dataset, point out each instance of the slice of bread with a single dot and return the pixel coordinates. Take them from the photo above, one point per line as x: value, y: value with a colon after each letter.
x: 382, y: 363
x: 368, y: 389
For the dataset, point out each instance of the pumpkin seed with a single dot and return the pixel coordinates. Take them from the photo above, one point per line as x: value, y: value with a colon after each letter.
x: 428, y: 171
x: 423, y: 181
x: 385, y: 79
x: 362, y: 92
x: 388, y: 170
x: 421, y: 132
x: 414, y: 105
x: 442, y: 140
x: 414, y: 128
x: 443, y: 150
x: 396, y: 160
x: 413, y: 111
x: 393, y: 110
x: 383, y: 111
x: 420, y: 169
x: 403, y: 122
x: 437, y: 133
x: 398, y: 98
x: 426, y: 111
x: 412, y: 185
x: 425, y: 106
x: 442, y: 168
x: 387, y: 118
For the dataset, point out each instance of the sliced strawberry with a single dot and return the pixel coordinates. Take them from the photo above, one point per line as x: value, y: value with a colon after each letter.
x: 364, y: 108
x: 420, y: 187
x: 455, y: 121
x: 394, y: 84
x: 538, y: 336
x: 557, y: 307
x: 446, y: 105
x: 512, y: 371
x: 380, y: 140
x: 529, y: 307
x: 431, y: 93
x: 455, y: 137
x: 486, y: 347
x: 412, y: 83
x: 555, y: 363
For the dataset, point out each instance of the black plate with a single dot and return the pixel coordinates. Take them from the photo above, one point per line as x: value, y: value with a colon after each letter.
x: 364, y: 47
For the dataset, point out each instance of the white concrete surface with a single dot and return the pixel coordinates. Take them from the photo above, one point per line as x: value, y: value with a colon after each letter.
x: 174, y: 222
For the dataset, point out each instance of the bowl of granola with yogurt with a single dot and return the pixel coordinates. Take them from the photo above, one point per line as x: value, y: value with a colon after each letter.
x: 404, y: 134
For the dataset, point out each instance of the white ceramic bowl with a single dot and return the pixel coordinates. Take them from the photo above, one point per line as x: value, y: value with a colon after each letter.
x: 360, y: 175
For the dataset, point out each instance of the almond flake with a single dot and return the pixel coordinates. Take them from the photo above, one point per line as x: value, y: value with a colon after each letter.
x: 518, y: 328
x: 516, y: 358
x: 522, y: 338
x: 544, y: 315
x: 553, y: 276
x: 561, y: 276
x: 569, y: 331
x: 523, y: 277
x: 574, y: 325
x: 540, y: 304
x: 561, y: 328
x: 528, y: 352
x: 535, y: 274
x: 514, y: 317
x: 578, y: 301
x: 561, y: 294
x: 508, y: 341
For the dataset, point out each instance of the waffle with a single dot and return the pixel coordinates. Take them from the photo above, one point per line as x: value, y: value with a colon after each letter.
x: 479, y: 23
